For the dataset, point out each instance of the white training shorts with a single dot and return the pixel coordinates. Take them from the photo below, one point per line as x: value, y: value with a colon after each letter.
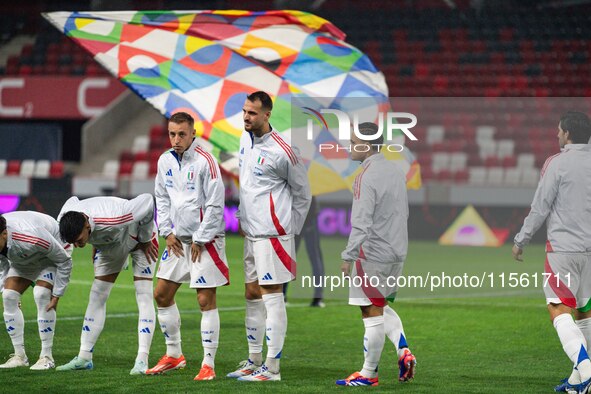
x: 373, y: 283
x: 568, y: 279
x: 271, y: 261
x: 40, y: 270
x: 210, y: 271
x: 112, y: 258
x: 33, y: 272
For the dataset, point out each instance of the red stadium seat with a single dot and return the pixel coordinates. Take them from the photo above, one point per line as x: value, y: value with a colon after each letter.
x: 12, y: 61
x: 444, y: 175
x: 125, y: 167
x: 126, y: 155
x: 13, y: 167
x: 141, y: 156
x: 50, y: 69
x: 491, y: 161
x: 153, y: 167
x: 426, y: 173
x: 57, y: 169
x: 461, y: 176
x: 64, y: 69
x: 25, y: 70
x: 154, y: 156
x: 509, y: 161
x: 157, y: 131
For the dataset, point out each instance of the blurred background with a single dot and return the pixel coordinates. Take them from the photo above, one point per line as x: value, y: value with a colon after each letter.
x: 69, y: 128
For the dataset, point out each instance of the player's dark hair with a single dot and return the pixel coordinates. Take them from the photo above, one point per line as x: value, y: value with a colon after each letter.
x: 369, y: 128
x: 264, y: 98
x: 182, y: 117
x: 578, y: 126
x: 71, y: 225
x: 2, y: 223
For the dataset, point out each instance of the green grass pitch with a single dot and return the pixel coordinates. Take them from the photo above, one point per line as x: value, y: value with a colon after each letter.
x: 479, y: 340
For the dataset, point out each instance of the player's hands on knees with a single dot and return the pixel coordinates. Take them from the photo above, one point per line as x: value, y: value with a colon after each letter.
x: 52, y: 304
x: 174, y: 245
x: 346, y: 268
x: 196, y: 252
x: 517, y: 253
x: 150, y: 250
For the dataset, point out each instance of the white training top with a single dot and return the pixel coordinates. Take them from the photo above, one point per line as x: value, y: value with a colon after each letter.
x: 109, y: 217
x: 274, y: 189
x: 563, y: 201
x: 190, y: 195
x: 34, y: 238
x: 380, y: 213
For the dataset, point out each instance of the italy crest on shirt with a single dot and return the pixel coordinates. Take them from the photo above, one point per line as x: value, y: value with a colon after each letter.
x: 191, y: 178
x: 262, y: 155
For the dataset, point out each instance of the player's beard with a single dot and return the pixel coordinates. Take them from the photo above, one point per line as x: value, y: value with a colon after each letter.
x: 257, y: 131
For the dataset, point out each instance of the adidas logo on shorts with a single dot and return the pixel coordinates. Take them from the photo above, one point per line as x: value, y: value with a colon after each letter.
x: 267, y: 276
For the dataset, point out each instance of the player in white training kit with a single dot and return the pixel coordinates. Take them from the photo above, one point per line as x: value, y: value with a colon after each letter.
x: 190, y: 202
x: 31, y: 252
x: 376, y: 249
x: 274, y: 200
x: 116, y: 228
x: 563, y: 201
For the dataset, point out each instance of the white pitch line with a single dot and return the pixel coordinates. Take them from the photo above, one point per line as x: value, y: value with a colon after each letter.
x: 185, y: 312
x: 415, y: 300
x: 117, y: 285
x: 427, y: 297
x: 495, y: 294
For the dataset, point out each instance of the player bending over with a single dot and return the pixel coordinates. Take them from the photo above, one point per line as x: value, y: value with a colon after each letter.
x: 116, y: 228
x: 31, y: 253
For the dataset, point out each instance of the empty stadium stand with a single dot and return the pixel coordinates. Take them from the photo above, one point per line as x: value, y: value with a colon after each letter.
x: 425, y: 48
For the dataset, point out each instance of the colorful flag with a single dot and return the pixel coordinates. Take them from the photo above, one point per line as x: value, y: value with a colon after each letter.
x: 205, y: 62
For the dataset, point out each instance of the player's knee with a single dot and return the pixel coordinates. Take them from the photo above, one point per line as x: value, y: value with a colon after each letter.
x: 556, y: 310
x: 206, y: 301
x: 100, y: 290
x: 269, y: 289
x: 371, y: 311
x: 364, y: 311
x: 10, y: 298
x: 252, y: 292
x: 162, y: 299
x: 143, y: 287
x: 41, y: 294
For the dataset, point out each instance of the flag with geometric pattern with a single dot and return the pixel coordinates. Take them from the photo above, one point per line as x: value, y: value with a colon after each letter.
x: 206, y: 62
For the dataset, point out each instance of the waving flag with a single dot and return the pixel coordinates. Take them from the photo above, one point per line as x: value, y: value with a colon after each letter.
x: 205, y: 62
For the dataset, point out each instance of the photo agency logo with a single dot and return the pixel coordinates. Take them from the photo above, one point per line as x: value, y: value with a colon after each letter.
x: 388, y: 125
